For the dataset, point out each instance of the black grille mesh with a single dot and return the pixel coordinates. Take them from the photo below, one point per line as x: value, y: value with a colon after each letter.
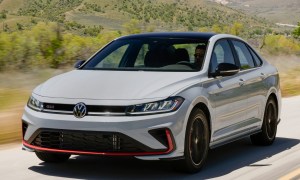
x: 88, y: 141
x: 90, y: 108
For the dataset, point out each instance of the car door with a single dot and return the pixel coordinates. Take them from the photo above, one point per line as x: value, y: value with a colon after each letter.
x: 227, y: 95
x: 253, y: 77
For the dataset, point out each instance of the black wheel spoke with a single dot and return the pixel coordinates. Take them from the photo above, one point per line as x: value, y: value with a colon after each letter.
x: 270, y: 120
x: 197, y: 141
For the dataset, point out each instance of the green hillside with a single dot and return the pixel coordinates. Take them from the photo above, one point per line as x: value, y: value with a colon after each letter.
x: 11, y: 6
x: 160, y: 15
x: 54, y: 33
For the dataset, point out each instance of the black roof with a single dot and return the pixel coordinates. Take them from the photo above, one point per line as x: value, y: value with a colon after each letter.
x: 204, y: 36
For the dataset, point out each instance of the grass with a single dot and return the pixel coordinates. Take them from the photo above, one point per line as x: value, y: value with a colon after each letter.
x: 290, y: 82
x: 106, y: 20
x: 11, y: 98
x: 10, y: 125
x: 289, y: 70
x: 15, y: 89
x: 12, y: 102
x: 12, y: 20
x: 11, y: 5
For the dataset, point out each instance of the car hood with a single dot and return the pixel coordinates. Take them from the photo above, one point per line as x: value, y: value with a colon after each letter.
x: 116, y: 85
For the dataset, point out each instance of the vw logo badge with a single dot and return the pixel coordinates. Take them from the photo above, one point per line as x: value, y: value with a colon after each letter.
x: 79, y: 110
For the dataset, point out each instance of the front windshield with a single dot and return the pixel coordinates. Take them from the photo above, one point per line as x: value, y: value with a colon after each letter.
x: 149, y: 54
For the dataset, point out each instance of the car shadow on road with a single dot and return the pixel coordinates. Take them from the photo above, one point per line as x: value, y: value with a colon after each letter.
x: 221, y: 161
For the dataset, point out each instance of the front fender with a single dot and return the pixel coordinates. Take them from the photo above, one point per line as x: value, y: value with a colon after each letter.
x: 197, y: 95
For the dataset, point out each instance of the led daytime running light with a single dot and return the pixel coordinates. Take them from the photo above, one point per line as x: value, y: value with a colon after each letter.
x: 35, y: 104
x: 168, y: 105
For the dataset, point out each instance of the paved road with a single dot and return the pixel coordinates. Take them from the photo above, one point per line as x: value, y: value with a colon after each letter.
x: 238, y: 160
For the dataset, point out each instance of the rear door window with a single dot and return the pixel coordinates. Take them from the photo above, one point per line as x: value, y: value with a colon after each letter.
x: 257, y: 60
x: 244, y: 55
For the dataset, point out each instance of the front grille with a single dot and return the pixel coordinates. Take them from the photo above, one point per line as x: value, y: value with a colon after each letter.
x: 91, y: 109
x: 88, y: 141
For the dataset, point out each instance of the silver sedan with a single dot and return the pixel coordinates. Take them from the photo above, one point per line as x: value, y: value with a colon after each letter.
x: 156, y: 96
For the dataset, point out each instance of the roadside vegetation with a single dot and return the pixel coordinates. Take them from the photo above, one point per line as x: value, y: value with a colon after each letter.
x: 51, y: 45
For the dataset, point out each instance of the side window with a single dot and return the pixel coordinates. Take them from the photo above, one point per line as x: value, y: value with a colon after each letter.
x: 244, y: 55
x: 256, y: 58
x: 221, y: 54
x: 113, y: 59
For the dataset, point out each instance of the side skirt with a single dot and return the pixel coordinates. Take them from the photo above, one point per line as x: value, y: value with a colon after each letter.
x: 231, y: 138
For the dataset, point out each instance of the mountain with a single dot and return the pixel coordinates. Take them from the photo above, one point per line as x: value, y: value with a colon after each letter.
x: 159, y: 15
x: 278, y: 11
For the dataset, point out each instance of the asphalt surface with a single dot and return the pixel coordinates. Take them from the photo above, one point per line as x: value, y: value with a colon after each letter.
x: 238, y: 160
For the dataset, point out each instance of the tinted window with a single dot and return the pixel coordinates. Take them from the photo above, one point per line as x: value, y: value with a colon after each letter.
x: 244, y: 55
x: 256, y: 58
x: 113, y: 59
x: 221, y: 54
x: 152, y: 54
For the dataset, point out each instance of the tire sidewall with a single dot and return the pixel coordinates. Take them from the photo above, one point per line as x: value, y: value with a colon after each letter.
x: 264, y: 127
x: 196, y: 114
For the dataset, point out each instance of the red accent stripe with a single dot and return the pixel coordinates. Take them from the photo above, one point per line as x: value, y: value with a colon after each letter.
x: 168, y: 134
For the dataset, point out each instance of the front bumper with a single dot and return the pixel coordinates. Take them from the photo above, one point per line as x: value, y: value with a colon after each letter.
x: 32, y: 148
x: 135, y: 127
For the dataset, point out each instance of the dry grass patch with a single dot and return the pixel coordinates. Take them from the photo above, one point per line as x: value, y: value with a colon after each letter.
x: 10, y: 125
x: 290, y: 82
x: 12, y: 98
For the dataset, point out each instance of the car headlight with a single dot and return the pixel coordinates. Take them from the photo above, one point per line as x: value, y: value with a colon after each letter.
x: 167, y: 105
x: 35, y: 104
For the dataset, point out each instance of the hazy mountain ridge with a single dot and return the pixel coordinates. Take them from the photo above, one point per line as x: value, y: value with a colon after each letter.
x: 287, y: 11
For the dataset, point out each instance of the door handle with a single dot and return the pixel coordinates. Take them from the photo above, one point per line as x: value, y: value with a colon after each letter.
x: 242, y: 82
x: 262, y: 76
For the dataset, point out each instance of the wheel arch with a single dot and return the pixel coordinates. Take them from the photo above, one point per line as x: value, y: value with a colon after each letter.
x: 276, y: 95
x: 203, y: 104
x: 273, y: 96
x: 206, y: 111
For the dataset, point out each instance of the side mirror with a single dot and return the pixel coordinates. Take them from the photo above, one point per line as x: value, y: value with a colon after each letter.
x: 226, y: 69
x: 79, y: 63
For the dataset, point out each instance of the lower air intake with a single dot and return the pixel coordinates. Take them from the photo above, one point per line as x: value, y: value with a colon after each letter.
x: 88, y: 141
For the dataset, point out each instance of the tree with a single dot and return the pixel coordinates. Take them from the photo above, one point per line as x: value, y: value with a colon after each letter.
x: 236, y: 29
x: 203, y: 29
x: 132, y: 27
x: 3, y: 14
x: 93, y: 31
x: 49, y: 37
x: 20, y: 26
x: 296, y: 32
x: 216, y: 28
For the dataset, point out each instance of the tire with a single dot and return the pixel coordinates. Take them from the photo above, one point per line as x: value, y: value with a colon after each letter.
x: 52, y: 157
x: 196, y: 143
x: 269, y: 127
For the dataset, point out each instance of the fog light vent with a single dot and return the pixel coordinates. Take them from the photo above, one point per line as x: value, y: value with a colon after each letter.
x: 24, y: 128
x: 160, y: 135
